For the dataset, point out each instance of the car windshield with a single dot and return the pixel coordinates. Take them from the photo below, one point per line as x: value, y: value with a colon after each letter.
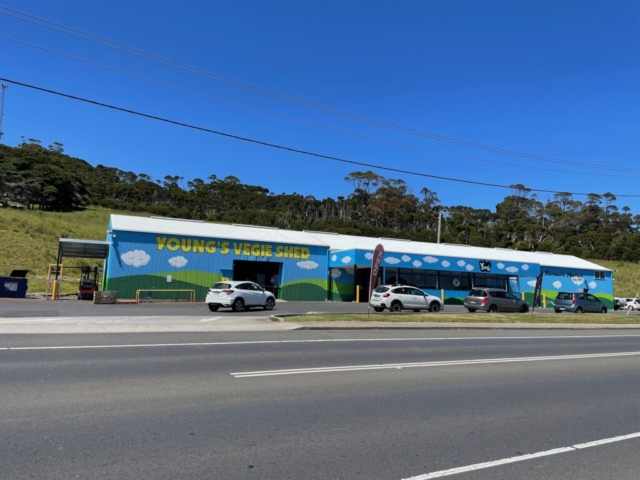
x: 221, y: 286
x: 477, y: 293
x: 381, y: 289
x: 564, y: 296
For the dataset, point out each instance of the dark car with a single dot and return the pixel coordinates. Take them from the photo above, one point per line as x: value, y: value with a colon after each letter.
x: 578, y: 303
x: 494, y: 300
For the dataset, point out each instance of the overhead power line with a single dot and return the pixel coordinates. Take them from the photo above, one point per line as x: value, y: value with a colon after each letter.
x: 317, y: 125
x: 289, y: 149
x: 42, y: 22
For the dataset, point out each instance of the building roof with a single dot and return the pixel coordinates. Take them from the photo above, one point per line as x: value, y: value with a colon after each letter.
x: 75, y: 248
x: 337, y: 242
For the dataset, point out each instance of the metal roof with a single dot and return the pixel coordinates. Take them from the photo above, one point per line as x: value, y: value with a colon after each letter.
x: 75, y: 248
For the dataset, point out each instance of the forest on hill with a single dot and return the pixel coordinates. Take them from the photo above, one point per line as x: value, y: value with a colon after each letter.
x: 37, y: 177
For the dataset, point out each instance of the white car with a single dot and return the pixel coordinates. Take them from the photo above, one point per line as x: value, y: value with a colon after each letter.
x: 239, y: 296
x: 633, y: 304
x: 403, y: 297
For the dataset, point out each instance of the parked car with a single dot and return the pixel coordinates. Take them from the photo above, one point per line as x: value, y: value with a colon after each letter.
x: 578, y: 303
x: 494, y: 300
x: 403, y: 297
x: 619, y: 303
x: 633, y: 304
x: 239, y: 296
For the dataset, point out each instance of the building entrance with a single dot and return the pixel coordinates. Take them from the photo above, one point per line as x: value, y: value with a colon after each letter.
x: 265, y: 274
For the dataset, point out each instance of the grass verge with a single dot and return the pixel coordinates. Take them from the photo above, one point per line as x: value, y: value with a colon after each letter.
x: 631, y: 319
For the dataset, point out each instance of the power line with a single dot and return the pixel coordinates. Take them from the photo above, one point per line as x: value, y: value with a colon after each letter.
x: 285, y: 148
x: 304, y: 122
x: 42, y: 22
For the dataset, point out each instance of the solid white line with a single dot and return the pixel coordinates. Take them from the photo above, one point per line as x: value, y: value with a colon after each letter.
x: 391, y: 366
x: 210, y: 319
x: 522, y: 458
x: 325, y: 340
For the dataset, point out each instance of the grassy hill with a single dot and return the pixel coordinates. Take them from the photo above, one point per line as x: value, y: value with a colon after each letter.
x: 29, y: 240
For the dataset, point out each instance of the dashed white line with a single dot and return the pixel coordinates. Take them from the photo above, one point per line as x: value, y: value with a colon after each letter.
x: 522, y: 458
x: 210, y: 319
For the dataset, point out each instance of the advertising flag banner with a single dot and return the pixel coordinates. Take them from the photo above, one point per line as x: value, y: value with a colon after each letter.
x: 537, y: 294
x: 378, y: 253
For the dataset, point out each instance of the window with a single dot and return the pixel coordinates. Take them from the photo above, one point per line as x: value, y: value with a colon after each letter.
x: 591, y: 298
x: 478, y: 293
x: 405, y: 276
x: 415, y: 291
x: 381, y: 289
x: 445, y: 280
x: 418, y: 278
x: 599, y: 274
x: 431, y: 279
x: 390, y: 275
x: 512, y: 296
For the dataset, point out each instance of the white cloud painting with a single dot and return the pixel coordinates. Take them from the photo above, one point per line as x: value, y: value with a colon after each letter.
x: 531, y: 283
x: 557, y: 284
x: 346, y: 259
x: 417, y: 263
x: 178, y: 262
x: 368, y: 256
x: 593, y: 285
x: 461, y: 263
x: 307, y: 264
x: 336, y: 273
x: 430, y: 259
x: 511, y: 269
x: 392, y: 260
x: 525, y: 267
x: 469, y: 268
x: 135, y: 258
x: 445, y: 264
x: 500, y: 266
x: 577, y: 280
x: 406, y: 258
x: 334, y: 258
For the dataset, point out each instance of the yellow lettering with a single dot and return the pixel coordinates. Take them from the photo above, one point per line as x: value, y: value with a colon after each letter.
x: 279, y: 252
x: 288, y: 252
x: 186, y: 244
x: 247, y: 249
x: 237, y: 248
x: 198, y: 246
x: 225, y: 248
x: 210, y: 246
x: 296, y: 252
x: 255, y: 250
x: 173, y: 244
x: 161, y: 241
x: 304, y: 253
x: 269, y: 251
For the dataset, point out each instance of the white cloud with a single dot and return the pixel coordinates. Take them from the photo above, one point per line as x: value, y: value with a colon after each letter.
x: 469, y: 268
x: 557, y: 284
x: 512, y: 269
x: 525, y: 267
x: 392, y: 260
x: 430, y: 259
x: 178, y: 262
x: 577, y: 280
x: 406, y: 258
x: 461, y: 263
x: 445, y: 264
x: 336, y: 273
x: 135, y: 258
x: 346, y: 259
x: 593, y: 285
x: 531, y: 283
x: 334, y: 258
x: 307, y: 264
x: 500, y: 266
x: 417, y: 263
x: 368, y: 256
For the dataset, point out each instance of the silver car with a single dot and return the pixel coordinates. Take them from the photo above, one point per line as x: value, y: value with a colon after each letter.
x: 239, y: 296
x: 494, y: 300
x: 403, y: 297
x: 578, y: 303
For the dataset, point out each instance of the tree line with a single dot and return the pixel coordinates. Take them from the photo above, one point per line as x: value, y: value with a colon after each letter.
x: 39, y: 177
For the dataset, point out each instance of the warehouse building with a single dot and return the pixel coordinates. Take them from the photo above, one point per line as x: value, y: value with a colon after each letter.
x: 171, y: 254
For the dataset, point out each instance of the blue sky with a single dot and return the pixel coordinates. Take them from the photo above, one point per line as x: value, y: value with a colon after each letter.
x: 557, y: 79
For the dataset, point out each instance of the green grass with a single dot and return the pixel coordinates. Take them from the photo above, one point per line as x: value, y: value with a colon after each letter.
x: 470, y: 318
x: 626, y: 277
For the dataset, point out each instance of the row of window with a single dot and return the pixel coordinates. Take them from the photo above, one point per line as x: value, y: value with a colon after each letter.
x: 444, y: 280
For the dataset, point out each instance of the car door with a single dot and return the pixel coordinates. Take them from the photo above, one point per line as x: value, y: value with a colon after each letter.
x: 419, y: 299
x: 404, y: 296
x: 594, y: 305
x: 246, y: 293
x: 514, y: 302
x: 502, y: 302
x: 259, y: 295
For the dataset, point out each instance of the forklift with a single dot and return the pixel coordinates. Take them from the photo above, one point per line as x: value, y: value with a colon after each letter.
x: 88, y: 283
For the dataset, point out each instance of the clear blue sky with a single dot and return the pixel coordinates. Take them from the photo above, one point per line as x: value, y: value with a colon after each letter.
x: 553, y: 78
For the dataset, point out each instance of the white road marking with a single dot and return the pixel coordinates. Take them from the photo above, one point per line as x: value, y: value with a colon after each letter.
x: 324, y: 340
x: 522, y: 458
x: 210, y: 319
x: 353, y: 368
x: 31, y: 320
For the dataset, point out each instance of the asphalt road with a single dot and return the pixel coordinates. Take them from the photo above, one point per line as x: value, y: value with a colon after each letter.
x: 139, y: 408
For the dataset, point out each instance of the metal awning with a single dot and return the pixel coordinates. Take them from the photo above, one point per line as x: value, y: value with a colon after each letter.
x: 71, y: 247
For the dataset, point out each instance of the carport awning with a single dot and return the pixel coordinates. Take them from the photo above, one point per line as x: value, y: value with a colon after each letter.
x: 75, y: 248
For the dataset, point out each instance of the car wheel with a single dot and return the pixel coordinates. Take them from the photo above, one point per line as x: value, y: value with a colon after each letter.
x: 558, y: 311
x: 396, y: 307
x: 378, y: 309
x: 471, y: 309
x: 579, y: 310
x: 493, y: 309
x: 603, y: 310
x: 269, y: 304
x: 237, y: 305
x: 434, y: 307
x: 524, y: 309
x: 213, y: 308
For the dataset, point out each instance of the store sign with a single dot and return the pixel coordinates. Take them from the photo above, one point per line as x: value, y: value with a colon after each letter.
x: 240, y: 249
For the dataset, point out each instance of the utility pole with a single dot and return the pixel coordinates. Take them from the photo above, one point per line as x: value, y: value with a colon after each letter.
x: 3, y: 87
x: 439, y: 224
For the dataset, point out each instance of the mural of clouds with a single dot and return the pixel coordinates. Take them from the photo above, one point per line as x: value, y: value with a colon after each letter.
x: 531, y: 283
x: 417, y: 263
x: 336, y: 273
x: 135, y: 258
x: 368, y: 256
x: 469, y: 268
x: 406, y: 258
x: 392, y: 260
x: 577, y: 280
x: 307, y: 264
x: 346, y: 259
x: 430, y: 259
x: 525, y: 267
x: 461, y: 263
x: 511, y: 269
x: 500, y: 265
x: 557, y: 284
x: 445, y: 264
x: 593, y: 285
x: 178, y: 262
x: 334, y: 258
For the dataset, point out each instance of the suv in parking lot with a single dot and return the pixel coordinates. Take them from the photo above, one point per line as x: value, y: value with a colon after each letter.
x: 578, y: 303
x: 403, y: 297
x: 239, y: 296
x: 494, y: 300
